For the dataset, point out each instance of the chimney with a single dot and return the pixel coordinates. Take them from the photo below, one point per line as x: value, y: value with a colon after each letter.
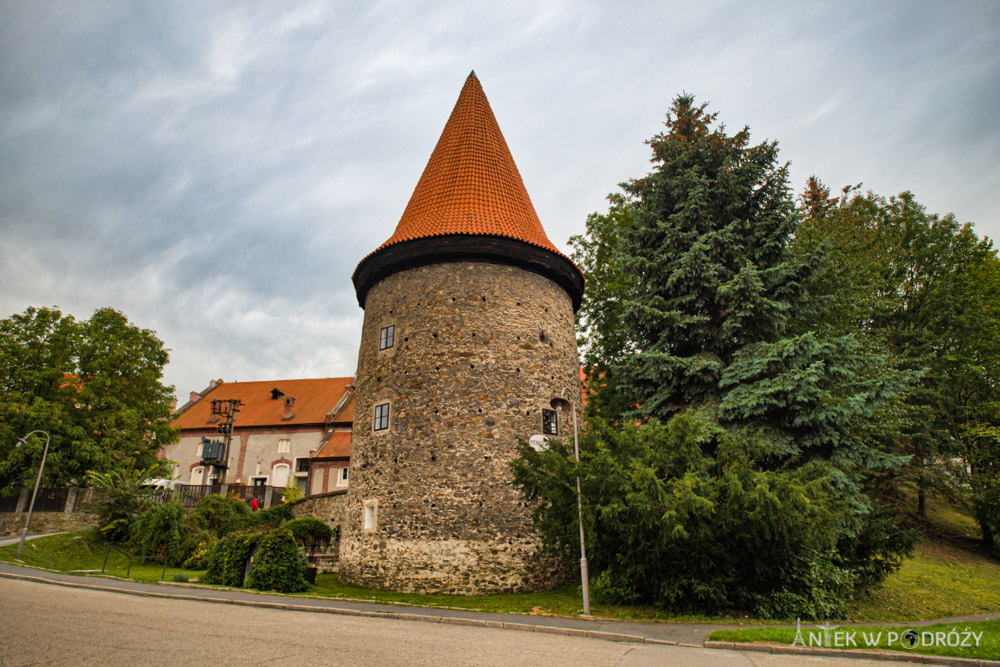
x: 289, y: 404
x: 194, y: 397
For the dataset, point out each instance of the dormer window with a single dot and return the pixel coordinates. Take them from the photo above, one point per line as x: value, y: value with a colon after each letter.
x: 386, y: 337
x: 276, y: 394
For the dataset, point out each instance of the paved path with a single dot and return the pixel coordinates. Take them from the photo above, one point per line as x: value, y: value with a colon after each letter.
x: 14, y: 539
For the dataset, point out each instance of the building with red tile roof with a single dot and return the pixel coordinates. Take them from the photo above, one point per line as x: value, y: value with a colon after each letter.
x: 285, y: 430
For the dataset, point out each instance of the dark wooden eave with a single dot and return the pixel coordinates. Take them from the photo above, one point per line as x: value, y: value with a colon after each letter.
x: 467, y: 248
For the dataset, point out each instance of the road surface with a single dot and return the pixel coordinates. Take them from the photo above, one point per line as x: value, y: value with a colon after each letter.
x: 46, y: 624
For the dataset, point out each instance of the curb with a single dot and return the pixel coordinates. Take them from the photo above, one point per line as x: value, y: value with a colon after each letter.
x: 852, y: 655
x: 527, y: 627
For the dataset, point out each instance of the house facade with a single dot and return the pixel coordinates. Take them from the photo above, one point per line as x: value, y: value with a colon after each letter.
x: 279, y: 429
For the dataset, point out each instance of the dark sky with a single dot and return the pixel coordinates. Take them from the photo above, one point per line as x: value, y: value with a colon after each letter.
x: 216, y: 170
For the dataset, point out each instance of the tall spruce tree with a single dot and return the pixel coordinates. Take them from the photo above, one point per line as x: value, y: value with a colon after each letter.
x: 725, y: 456
x: 714, y: 287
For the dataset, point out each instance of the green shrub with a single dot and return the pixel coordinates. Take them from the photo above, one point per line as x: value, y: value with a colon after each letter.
x: 200, y: 556
x: 228, y: 560
x: 191, y: 539
x: 220, y: 515
x: 125, y: 497
x: 674, y: 510
x: 292, y: 495
x: 279, y: 565
x: 272, y: 517
x: 310, y: 533
x: 157, y: 532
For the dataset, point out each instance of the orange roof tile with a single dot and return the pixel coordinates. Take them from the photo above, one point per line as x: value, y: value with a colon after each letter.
x: 337, y: 446
x: 313, y: 400
x: 471, y: 184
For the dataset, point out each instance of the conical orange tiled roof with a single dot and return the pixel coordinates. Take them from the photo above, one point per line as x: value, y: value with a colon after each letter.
x: 471, y: 184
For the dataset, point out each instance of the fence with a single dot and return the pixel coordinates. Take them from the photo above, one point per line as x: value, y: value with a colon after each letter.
x: 56, y: 500
x: 9, y: 499
x: 51, y: 500
x: 85, y: 498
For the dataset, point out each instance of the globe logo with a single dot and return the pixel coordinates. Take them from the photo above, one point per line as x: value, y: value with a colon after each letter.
x: 909, y: 638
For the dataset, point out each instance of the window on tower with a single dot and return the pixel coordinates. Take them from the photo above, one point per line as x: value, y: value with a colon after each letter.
x: 386, y: 336
x: 550, y: 425
x: 381, y: 417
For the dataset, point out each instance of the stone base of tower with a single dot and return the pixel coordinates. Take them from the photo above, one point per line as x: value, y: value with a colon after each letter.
x: 449, y: 566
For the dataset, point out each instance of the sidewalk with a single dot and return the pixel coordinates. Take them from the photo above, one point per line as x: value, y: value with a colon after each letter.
x: 14, y: 539
x: 682, y: 634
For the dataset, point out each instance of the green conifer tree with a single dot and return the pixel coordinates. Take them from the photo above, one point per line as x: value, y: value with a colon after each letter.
x: 726, y: 452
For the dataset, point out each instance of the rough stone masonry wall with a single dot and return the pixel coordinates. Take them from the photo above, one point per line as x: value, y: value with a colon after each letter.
x: 328, y: 507
x: 12, y: 523
x: 480, y: 349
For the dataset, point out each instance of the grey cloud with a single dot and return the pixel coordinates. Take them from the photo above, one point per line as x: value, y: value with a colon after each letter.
x: 216, y: 170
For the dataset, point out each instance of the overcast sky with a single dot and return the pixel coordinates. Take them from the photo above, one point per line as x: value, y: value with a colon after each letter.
x: 215, y: 170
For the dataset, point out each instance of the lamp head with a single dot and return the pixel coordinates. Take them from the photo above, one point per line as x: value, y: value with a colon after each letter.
x: 560, y: 404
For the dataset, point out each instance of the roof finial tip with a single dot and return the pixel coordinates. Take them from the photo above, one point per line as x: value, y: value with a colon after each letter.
x: 472, y: 75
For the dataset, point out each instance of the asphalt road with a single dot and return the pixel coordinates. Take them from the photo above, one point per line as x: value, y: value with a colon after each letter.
x: 45, y: 624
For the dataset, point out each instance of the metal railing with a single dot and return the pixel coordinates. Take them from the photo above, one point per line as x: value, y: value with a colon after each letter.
x: 107, y: 551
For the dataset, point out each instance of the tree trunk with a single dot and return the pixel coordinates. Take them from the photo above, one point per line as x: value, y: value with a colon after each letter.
x: 986, y: 529
x: 921, y: 500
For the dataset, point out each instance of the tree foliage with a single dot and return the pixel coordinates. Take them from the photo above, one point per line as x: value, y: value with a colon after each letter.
x: 769, y: 431
x: 228, y: 559
x: 310, y: 533
x: 123, y: 496
x: 925, y: 291
x: 278, y: 565
x: 157, y: 534
x: 94, y: 385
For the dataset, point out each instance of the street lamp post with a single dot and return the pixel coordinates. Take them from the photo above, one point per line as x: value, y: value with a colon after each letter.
x: 38, y: 480
x: 559, y: 405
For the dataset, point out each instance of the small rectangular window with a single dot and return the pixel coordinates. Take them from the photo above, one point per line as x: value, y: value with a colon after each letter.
x: 283, y: 445
x: 370, y: 516
x: 550, y: 425
x: 301, y: 465
x: 343, y: 474
x: 386, y: 336
x: 381, y: 417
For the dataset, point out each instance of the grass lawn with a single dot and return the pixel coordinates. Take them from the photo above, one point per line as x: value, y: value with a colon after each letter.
x: 73, y: 551
x: 564, y: 601
x: 988, y: 633
x: 950, y: 575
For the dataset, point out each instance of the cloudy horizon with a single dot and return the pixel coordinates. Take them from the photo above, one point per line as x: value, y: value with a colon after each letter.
x: 216, y: 170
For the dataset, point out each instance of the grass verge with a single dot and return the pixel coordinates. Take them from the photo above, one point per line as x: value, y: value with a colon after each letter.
x: 982, y: 637
x: 74, y: 551
x: 946, y: 578
x: 565, y: 601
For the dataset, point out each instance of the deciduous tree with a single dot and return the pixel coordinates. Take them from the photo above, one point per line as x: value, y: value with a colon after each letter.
x: 95, y: 385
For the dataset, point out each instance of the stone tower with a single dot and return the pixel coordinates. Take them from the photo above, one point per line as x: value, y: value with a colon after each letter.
x: 468, y: 335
